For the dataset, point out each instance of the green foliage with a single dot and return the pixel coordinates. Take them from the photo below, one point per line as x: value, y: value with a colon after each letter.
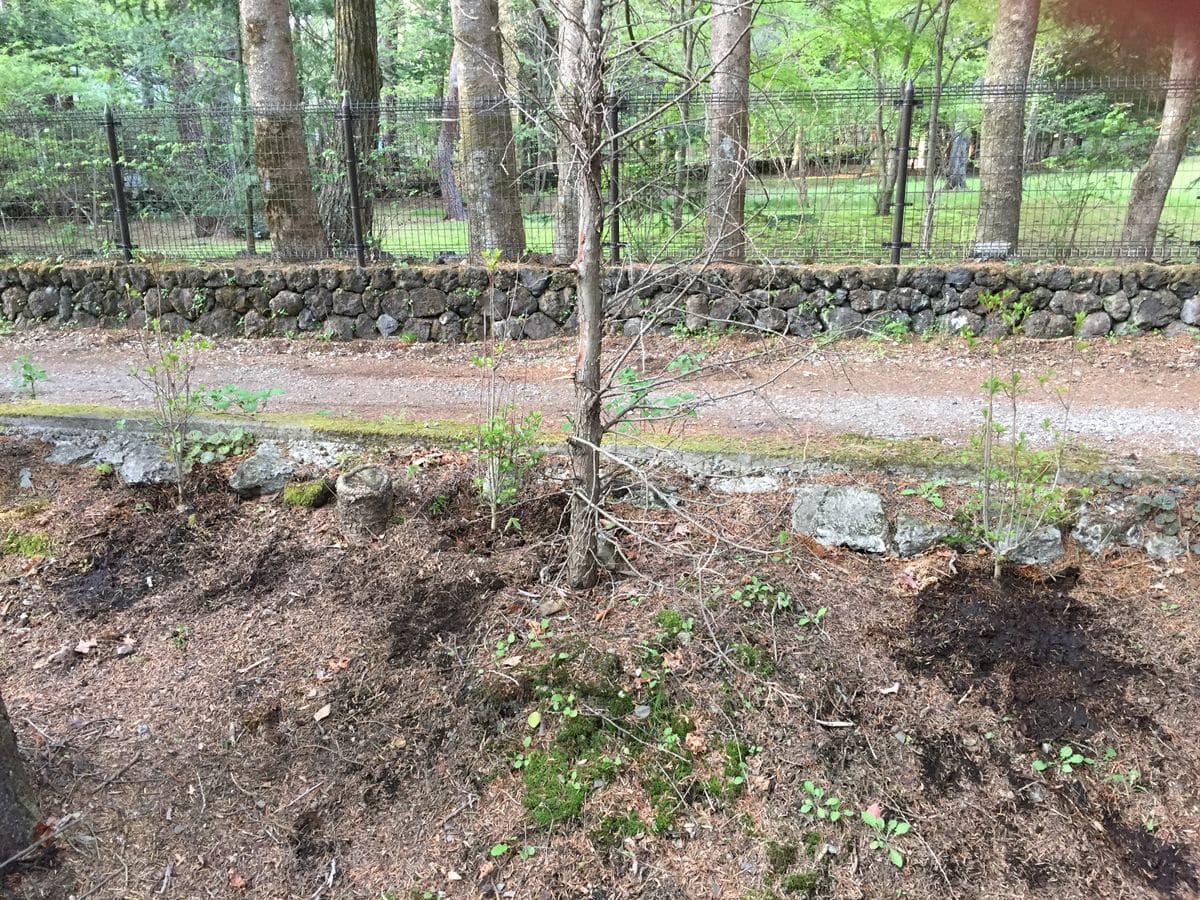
x: 929, y: 491
x: 506, y: 447
x: 757, y: 592
x: 781, y: 856
x: 884, y: 832
x: 179, y: 637
x: 24, y: 543
x: 1065, y: 761
x: 613, y: 829
x: 207, y: 448
x: 554, y: 790
x: 27, y: 375
x: 676, y: 629
x: 820, y: 806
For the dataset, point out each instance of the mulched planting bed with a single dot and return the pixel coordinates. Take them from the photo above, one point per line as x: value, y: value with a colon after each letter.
x: 239, y: 704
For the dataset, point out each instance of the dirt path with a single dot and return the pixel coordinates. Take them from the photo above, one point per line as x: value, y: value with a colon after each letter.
x: 1133, y: 395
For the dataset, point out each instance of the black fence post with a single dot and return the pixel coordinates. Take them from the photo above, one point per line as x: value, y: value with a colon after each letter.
x: 908, y: 102
x: 118, y: 184
x: 614, y: 179
x: 346, y: 115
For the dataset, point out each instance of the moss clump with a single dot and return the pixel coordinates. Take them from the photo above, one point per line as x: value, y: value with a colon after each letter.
x: 24, y: 543
x: 781, y: 856
x: 306, y: 494
x: 613, y: 829
x: 812, y: 840
x: 801, y: 883
x: 554, y: 791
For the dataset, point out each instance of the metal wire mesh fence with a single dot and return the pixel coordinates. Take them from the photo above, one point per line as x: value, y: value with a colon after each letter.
x: 823, y: 171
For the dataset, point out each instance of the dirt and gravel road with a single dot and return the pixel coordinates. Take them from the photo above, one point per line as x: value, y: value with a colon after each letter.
x: 1132, y: 395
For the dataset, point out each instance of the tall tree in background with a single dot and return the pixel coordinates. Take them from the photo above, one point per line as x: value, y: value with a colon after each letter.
x: 443, y: 154
x: 18, y: 809
x: 1153, y: 180
x: 490, y: 180
x: 1002, y: 128
x: 728, y: 131
x: 567, y: 100
x: 280, y: 152
x: 355, y: 75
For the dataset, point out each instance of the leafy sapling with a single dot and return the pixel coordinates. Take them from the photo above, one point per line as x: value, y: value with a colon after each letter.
x: 28, y: 375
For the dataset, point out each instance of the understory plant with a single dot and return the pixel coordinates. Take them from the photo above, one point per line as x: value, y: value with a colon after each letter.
x: 167, y: 370
x: 1020, y: 481
x: 28, y: 374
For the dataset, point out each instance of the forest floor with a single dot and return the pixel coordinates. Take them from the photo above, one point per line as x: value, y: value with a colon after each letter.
x: 1128, y: 395
x: 239, y: 704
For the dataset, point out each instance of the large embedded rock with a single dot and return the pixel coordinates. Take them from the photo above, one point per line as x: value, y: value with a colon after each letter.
x: 145, y: 464
x: 914, y: 534
x: 1041, y: 548
x: 18, y: 810
x: 266, y: 472
x: 841, y: 517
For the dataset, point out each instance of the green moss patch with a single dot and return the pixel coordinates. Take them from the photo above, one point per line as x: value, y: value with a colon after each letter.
x: 306, y: 494
x: 25, y: 543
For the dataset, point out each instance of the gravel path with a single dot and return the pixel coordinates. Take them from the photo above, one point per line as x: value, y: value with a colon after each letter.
x: 1134, y: 395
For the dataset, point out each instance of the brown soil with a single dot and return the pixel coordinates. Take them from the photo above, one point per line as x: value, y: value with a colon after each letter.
x: 1135, y: 393
x: 205, y: 763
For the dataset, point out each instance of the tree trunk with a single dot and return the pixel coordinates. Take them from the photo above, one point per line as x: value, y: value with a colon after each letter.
x: 1152, y: 182
x: 934, y: 139
x: 567, y: 101
x: 728, y: 131
x: 355, y: 75
x: 280, y: 150
x: 587, y: 131
x: 18, y: 809
x: 490, y: 183
x: 443, y: 155
x: 1002, y: 130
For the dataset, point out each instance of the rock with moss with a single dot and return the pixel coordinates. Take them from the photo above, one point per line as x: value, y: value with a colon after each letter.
x: 307, y: 494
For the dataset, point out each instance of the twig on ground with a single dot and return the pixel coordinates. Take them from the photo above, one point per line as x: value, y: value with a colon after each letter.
x: 121, y: 771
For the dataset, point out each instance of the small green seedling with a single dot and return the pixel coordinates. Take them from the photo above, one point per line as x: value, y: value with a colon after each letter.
x: 929, y: 491
x: 817, y: 804
x: 1068, y: 758
x: 884, y: 831
x: 28, y: 375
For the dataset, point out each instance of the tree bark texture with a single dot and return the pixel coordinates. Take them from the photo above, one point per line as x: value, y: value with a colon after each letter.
x: 18, y: 809
x: 728, y: 131
x: 356, y: 75
x: 1148, y: 195
x: 490, y: 180
x: 280, y: 150
x: 443, y: 154
x: 1002, y: 130
x: 587, y: 131
x: 364, y: 502
x: 568, y: 102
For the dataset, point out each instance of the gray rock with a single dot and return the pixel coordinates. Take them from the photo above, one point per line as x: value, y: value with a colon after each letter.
x: 143, y: 464
x: 346, y: 304
x: 746, y: 484
x: 308, y: 321
x: 1096, y: 324
x: 535, y: 282
x: 539, y: 326
x: 220, y: 322
x: 923, y: 321
x: 1070, y: 303
x: 771, y: 319
x: 339, y: 328
x: 1178, y: 329
x: 841, y: 517
x: 429, y: 303
x: 1118, y: 306
x: 959, y: 278
x: 1098, y: 530
x: 914, y: 534
x: 25, y: 480
x: 364, y: 327
x: 287, y: 303
x: 42, y: 303
x: 387, y: 325
x: 1110, y: 283
x: 521, y: 302
x: 840, y: 320
x: 266, y: 472
x: 1045, y: 324
x: 963, y: 322
x: 69, y: 454
x: 254, y: 324
x: 1163, y: 546
x: 1190, y: 313
x: 1041, y: 548
x: 1155, y: 309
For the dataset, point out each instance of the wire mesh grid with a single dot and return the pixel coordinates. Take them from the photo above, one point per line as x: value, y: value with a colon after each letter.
x: 820, y: 176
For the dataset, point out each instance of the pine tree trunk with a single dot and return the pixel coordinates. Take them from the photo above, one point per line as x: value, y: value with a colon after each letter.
x: 490, y: 179
x: 280, y: 150
x: 1002, y: 130
x: 1152, y: 182
x: 567, y: 101
x: 18, y: 809
x: 355, y: 75
x: 587, y: 131
x: 728, y: 131
x: 443, y: 155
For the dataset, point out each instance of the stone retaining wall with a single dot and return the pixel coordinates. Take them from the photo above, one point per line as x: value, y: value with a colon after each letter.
x: 451, y: 302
